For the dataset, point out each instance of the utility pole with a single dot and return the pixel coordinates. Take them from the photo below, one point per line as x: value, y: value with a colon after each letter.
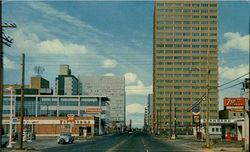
x: 22, y: 104
x: 7, y: 41
x: 175, y: 120
x: 1, y: 78
x: 170, y: 115
x: 160, y: 119
x: 157, y: 125
x: 208, y: 103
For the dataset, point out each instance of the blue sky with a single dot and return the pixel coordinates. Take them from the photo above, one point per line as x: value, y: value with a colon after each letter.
x: 110, y: 38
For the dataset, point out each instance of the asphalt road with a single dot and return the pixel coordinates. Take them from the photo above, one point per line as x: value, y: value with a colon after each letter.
x: 139, y: 142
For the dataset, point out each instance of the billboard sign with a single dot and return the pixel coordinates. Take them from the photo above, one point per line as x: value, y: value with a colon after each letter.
x: 93, y: 110
x: 234, y: 102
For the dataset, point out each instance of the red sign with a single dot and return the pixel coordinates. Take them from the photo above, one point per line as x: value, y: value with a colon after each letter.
x: 93, y: 110
x: 71, y: 118
x: 234, y: 102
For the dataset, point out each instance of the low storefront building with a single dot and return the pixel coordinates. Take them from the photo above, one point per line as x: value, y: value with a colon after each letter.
x: 48, y: 115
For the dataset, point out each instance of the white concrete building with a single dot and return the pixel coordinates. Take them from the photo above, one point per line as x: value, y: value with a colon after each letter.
x: 114, y: 88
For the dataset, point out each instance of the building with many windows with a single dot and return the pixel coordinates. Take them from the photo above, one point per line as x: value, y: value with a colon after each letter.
x: 185, y: 47
x: 150, y: 112
x: 114, y: 88
x: 43, y: 112
x: 66, y: 83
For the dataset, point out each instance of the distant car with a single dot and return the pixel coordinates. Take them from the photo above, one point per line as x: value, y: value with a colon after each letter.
x: 5, y: 140
x: 130, y: 132
x: 65, y: 137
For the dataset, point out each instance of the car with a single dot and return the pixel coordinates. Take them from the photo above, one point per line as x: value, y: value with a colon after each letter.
x: 65, y: 137
x: 5, y: 140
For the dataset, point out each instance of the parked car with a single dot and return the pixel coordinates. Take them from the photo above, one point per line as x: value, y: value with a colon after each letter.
x: 65, y: 137
x: 5, y: 140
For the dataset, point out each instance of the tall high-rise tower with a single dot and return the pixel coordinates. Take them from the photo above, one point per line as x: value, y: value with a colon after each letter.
x: 185, y: 60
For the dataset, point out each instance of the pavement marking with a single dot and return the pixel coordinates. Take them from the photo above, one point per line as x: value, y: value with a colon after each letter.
x: 117, y: 145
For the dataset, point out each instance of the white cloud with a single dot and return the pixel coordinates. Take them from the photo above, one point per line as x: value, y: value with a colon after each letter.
x: 51, y: 12
x: 234, y: 72
x: 8, y: 64
x: 109, y: 74
x: 30, y: 43
x: 130, y: 77
x: 109, y: 63
x: 135, y: 108
x: 139, y: 89
x: 235, y: 42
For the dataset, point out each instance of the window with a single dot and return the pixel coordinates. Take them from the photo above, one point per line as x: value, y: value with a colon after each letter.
x: 169, y: 57
x: 204, y: 22
x: 195, y: 16
x: 195, y: 11
x: 213, y: 11
x: 160, y: 4
x: 159, y: 51
x: 213, y: 28
x: 178, y: 10
x: 234, y: 114
x: 186, y: 28
x: 186, y: 58
x: 195, y: 40
x: 186, y: 16
x: 196, y: 5
x: 195, y: 22
x: 204, y: 16
x: 213, y: 129
x: 204, y: 5
x: 186, y: 22
x: 186, y: 40
x: 195, y: 34
x: 186, y: 10
x: 186, y: 5
x: 213, y: 5
x: 213, y: 34
x: 204, y: 11
x: 195, y: 28
x: 177, y: 22
x: 169, y: 40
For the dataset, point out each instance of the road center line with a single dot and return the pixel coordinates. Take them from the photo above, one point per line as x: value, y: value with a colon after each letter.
x: 117, y: 145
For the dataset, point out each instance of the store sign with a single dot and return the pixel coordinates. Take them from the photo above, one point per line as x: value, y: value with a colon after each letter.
x: 234, y: 102
x: 93, y: 110
x: 196, y: 119
x: 78, y: 122
x: 57, y: 121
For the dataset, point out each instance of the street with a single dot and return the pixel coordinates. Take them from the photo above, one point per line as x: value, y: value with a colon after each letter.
x: 124, y: 142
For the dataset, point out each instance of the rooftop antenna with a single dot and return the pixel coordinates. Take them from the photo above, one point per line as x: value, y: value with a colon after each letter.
x: 38, y: 70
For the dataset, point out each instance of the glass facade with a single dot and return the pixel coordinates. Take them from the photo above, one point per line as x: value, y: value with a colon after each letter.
x: 53, y: 106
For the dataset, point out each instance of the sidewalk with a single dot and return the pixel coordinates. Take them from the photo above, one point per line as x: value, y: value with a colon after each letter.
x: 196, y: 145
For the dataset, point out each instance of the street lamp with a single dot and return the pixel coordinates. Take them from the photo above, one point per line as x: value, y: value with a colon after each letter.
x: 11, y: 108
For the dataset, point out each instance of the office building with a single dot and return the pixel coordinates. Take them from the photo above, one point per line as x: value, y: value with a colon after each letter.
x: 66, y: 83
x: 114, y: 88
x: 185, y: 48
x: 150, y: 112
x: 146, y: 118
